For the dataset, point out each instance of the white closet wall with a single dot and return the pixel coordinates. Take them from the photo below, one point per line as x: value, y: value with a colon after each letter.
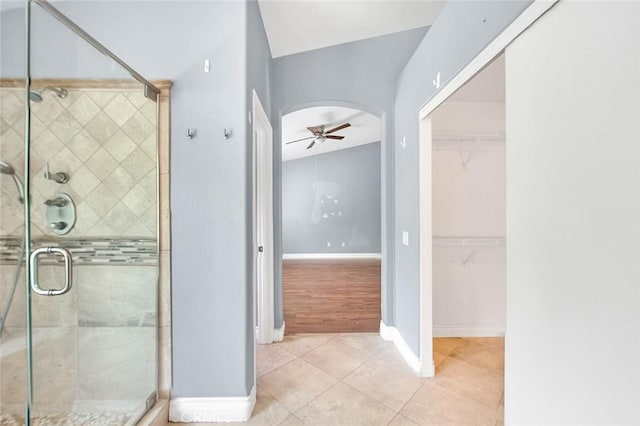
x: 573, y: 102
x: 468, y: 172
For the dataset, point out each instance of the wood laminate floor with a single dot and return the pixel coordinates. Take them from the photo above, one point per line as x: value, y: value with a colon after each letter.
x: 331, y: 296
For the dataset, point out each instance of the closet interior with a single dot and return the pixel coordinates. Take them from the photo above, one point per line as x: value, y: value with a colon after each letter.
x: 468, y: 202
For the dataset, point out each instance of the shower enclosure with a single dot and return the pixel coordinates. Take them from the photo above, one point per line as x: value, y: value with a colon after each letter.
x: 78, y: 226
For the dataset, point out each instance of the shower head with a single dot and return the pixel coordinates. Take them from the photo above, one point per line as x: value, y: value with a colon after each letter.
x: 9, y: 170
x: 36, y: 95
x: 60, y: 92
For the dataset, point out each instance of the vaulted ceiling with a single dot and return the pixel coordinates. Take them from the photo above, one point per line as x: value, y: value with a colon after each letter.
x: 295, y: 26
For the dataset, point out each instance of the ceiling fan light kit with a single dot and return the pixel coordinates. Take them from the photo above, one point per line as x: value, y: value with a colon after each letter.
x: 320, y: 135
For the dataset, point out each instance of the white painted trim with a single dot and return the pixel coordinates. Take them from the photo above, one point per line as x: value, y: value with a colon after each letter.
x: 294, y: 256
x: 222, y: 409
x: 278, y: 333
x: 425, y: 245
x: 493, y: 49
x: 392, y: 334
x: 262, y: 137
x: 482, y: 59
x: 467, y: 331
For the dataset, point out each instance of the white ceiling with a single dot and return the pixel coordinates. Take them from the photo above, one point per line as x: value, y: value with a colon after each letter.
x: 365, y: 128
x: 295, y: 26
x: 486, y: 86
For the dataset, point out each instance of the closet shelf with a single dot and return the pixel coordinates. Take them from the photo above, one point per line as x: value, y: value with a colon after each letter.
x: 445, y: 136
x: 468, y: 241
x: 467, y: 143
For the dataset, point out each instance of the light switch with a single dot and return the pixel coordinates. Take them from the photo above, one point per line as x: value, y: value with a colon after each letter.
x: 405, y: 238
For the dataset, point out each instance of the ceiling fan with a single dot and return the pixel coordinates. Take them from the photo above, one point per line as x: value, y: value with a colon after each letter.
x: 319, y: 134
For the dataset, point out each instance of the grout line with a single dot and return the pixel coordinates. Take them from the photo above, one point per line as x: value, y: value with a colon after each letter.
x: 273, y: 370
x: 372, y: 399
x: 315, y: 347
x: 391, y: 367
x: 291, y: 415
x: 318, y: 396
x: 414, y: 394
x: 462, y: 394
x: 284, y: 349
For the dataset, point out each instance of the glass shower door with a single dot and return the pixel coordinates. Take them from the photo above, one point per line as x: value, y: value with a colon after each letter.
x: 13, y: 365
x: 91, y: 311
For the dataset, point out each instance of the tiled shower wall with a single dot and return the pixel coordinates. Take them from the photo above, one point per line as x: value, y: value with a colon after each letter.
x: 105, y: 139
x: 95, y: 345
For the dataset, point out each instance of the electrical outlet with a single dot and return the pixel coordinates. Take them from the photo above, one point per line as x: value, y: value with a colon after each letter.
x: 405, y: 238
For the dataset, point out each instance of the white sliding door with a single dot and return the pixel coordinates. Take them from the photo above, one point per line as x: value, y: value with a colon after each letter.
x: 573, y: 217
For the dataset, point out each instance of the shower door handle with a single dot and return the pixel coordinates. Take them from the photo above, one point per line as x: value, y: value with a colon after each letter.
x: 68, y: 275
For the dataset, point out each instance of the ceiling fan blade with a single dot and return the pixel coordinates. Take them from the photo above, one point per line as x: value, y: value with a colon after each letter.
x: 298, y: 140
x: 316, y: 130
x: 334, y: 137
x: 335, y: 129
x: 313, y: 142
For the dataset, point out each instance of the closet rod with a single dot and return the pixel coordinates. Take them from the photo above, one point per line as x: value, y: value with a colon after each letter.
x: 468, y: 241
x: 457, y: 136
x: 479, y: 139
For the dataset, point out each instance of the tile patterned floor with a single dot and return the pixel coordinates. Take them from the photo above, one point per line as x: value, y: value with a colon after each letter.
x: 359, y: 379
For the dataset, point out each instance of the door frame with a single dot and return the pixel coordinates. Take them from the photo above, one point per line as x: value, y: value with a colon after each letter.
x: 263, y: 247
x: 484, y: 58
x: 385, y: 298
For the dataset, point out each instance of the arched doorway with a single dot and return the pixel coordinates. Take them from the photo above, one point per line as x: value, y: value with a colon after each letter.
x: 331, y: 220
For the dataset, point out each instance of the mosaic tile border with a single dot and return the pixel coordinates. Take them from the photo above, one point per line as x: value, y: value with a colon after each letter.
x: 89, y: 251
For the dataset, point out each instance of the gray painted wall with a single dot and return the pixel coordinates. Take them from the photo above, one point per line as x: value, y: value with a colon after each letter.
x: 461, y: 31
x: 344, y: 185
x: 362, y: 75
x: 12, y: 40
x: 258, y: 79
x: 212, y: 324
x: 56, y: 51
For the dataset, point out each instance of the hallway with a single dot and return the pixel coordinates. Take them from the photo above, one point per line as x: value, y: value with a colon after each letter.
x: 359, y: 379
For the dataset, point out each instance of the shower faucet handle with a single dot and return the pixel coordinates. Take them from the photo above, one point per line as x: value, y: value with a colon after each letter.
x: 60, y: 177
x: 58, y: 225
x: 57, y: 202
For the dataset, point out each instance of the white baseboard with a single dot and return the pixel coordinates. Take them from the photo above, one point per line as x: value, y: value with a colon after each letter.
x: 222, y: 409
x: 468, y: 331
x: 278, y: 333
x: 392, y: 334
